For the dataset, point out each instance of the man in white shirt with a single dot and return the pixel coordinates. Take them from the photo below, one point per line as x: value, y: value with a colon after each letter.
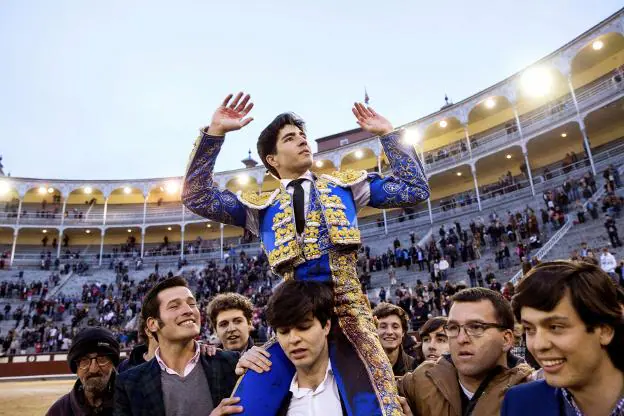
x: 301, y: 314
x: 444, y: 265
x: 607, y: 262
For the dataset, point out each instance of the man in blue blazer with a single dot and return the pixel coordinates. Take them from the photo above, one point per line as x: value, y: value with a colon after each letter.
x: 575, y: 330
x: 179, y: 380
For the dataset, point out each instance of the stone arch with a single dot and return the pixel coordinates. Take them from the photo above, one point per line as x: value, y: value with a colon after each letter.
x: 166, y: 191
x: 127, y: 194
x: 590, y: 64
x: 359, y: 158
x: 78, y: 195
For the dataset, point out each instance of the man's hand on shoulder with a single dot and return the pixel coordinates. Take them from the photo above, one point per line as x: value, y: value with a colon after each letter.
x: 256, y: 359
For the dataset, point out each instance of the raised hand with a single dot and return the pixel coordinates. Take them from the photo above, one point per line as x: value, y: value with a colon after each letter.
x: 370, y: 121
x: 230, y: 117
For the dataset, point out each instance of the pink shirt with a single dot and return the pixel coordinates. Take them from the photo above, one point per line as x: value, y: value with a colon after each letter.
x: 189, y: 366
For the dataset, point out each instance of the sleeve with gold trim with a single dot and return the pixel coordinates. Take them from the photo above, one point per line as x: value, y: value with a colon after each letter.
x: 407, y: 185
x: 201, y: 195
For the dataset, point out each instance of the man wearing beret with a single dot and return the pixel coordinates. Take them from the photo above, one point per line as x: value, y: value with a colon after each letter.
x: 93, y: 357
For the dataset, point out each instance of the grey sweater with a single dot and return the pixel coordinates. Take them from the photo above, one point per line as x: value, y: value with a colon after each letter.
x: 186, y: 396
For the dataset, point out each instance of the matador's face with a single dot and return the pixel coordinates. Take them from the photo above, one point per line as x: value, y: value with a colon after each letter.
x: 293, y: 153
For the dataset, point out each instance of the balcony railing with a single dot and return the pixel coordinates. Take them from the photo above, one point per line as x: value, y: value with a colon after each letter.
x: 532, y: 124
x: 508, y: 195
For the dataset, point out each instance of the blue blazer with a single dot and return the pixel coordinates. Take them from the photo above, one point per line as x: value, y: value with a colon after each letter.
x: 138, y: 391
x: 535, y: 399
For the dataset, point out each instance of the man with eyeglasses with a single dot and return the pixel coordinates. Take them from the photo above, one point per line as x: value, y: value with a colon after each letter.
x: 93, y: 357
x: 473, y: 378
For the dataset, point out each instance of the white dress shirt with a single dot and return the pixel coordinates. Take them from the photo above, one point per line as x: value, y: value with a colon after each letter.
x: 323, y: 401
x: 360, y: 191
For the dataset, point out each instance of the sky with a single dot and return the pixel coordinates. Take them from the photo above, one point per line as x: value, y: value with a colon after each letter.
x: 118, y: 89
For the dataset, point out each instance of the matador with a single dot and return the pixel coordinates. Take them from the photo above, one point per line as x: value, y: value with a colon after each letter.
x: 308, y: 230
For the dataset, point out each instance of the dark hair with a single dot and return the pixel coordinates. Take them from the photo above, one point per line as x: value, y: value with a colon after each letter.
x: 385, y: 309
x: 432, y: 325
x: 151, y: 304
x: 226, y: 302
x: 502, y: 308
x: 293, y: 300
x: 592, y: 293
x: 267, y: 141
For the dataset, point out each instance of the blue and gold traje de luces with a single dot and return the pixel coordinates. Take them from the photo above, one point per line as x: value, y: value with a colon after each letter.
x: 329, y: 224
x: 325, y: 251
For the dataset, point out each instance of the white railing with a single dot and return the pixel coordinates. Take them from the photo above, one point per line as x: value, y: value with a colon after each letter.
x: 494, y: 141
x: 172, y: 212
x: 549, y: 245
x: 545, y: 249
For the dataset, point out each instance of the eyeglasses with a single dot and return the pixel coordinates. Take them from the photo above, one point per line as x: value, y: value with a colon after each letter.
x: 102, y: 361
x: 473, y: 329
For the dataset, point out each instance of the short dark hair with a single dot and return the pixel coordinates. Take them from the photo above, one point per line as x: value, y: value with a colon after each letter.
x: 593, y: 294
x: 151, y: 304
x: 226, y: 302
x: 385, y: 309
x: 502, y: 308
x: 432, y: 325
x: 294, y: 300
x: 267, y: 141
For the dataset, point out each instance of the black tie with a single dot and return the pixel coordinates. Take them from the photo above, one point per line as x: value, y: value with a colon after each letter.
x: 299, y: 204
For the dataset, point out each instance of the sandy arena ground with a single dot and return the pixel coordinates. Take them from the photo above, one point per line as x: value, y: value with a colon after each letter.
x: 31, y: 398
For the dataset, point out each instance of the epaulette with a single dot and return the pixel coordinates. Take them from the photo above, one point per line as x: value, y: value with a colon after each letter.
x: 347, y: 177
x: 256, y: 200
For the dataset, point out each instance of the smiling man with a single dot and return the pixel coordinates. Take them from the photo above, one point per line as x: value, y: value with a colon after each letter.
x: 308, y: 228
x: 575, y: 330
x: 178, y: 380
x: 391, y: 328
x: 230, y: 316
x: 479, y: 369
